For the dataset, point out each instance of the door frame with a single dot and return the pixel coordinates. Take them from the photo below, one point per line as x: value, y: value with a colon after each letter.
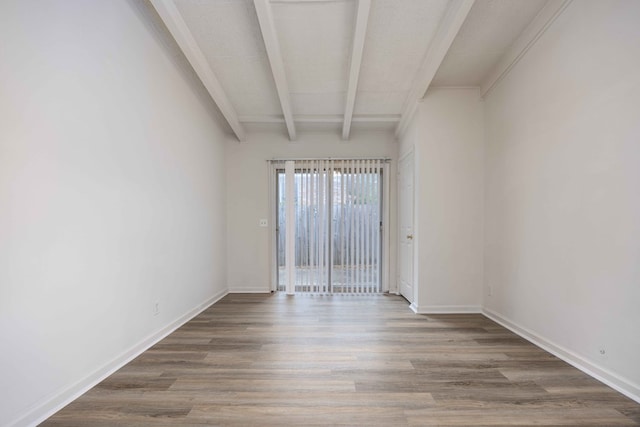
x: 408, y: 155
x: 385, y: 242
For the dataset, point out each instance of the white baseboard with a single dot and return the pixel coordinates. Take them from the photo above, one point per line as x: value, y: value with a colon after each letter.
x: 53, y: 403
x: 609, y: 378
x: 445, y: 309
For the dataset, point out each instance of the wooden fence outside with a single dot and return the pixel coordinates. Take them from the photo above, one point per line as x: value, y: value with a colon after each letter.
x: 352, y: 221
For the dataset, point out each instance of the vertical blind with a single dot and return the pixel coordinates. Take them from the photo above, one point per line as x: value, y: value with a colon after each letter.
x: 329, y: 226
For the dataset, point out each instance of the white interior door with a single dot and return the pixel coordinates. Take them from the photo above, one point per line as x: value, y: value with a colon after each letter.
x: 405, y: 214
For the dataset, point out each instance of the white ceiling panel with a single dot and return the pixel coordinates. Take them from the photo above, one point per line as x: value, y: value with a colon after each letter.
x: 228, y: 34
x: 380, y: 102
x: 397, y: 40
x: 490, y: 28
x: 315, y: 40
x: 398, y: 36
x: 317, y: 103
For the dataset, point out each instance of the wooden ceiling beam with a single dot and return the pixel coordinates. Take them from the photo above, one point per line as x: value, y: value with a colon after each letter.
x: 322, y: 118
x: 362, y: 18
x: 174, y: 22
x: 270, y: 37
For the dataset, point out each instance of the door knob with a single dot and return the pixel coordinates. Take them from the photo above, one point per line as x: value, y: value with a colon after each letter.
x: 410, y: 236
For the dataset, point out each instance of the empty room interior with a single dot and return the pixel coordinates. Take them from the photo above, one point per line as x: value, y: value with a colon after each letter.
x: 319, y: 212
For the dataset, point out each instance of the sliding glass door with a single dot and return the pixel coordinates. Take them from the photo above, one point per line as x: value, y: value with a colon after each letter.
x: 333, y: 208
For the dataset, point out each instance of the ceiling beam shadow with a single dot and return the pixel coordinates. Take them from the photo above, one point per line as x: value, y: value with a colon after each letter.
x: 449, y: 26
x: 174, y: 22
x: 270, y: 37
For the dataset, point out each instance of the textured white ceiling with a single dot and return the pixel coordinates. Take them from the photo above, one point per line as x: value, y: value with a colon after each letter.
x: 315, y: 39
x: 228, y: 34
x: 316, y: 43
x: 397, y: 40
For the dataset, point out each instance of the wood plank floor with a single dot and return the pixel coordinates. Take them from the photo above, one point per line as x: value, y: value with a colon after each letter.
x: 344, y: 360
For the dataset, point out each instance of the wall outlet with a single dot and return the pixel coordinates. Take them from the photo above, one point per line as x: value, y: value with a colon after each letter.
x: 263, y: 223
x: 156, y: 308
x: 489, y: 290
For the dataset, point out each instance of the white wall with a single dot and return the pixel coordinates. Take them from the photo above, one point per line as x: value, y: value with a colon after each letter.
x: 112, y: 192
x: 248, y: 193
x: 447, y: 137
x: 563, y: 191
